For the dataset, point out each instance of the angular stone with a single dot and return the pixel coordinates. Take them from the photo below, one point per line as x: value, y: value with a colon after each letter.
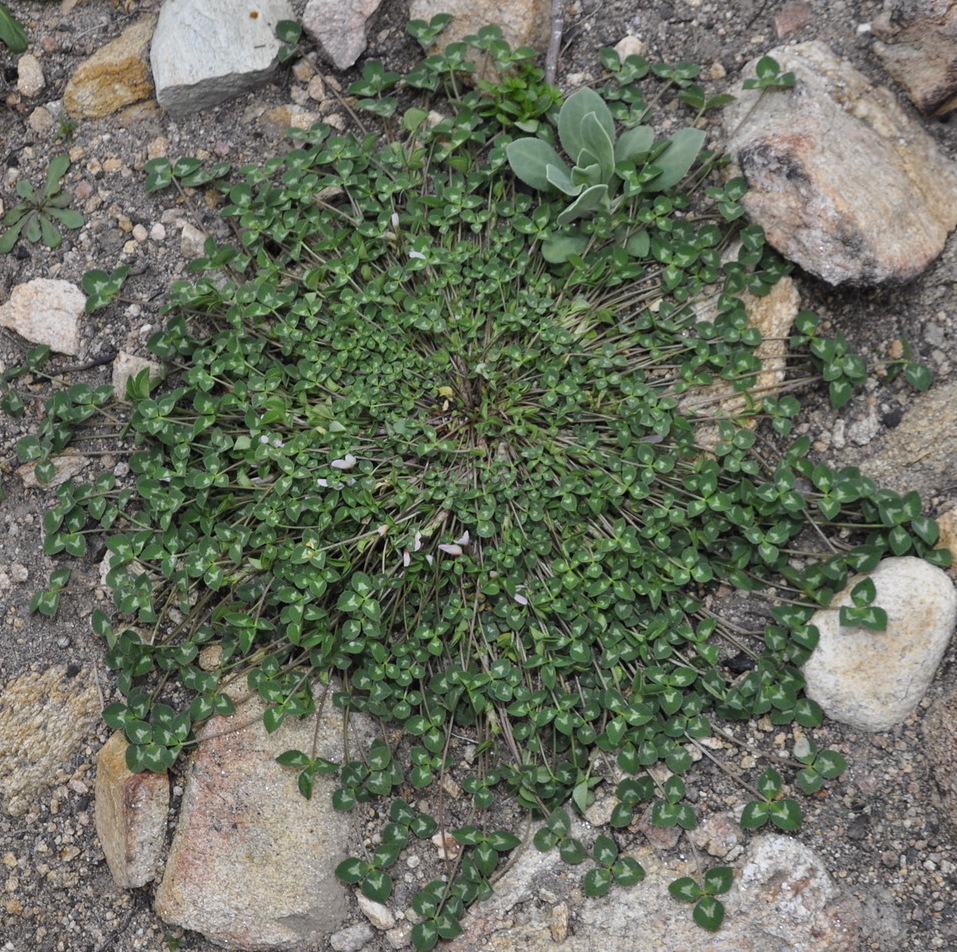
x: 782, y: 899
x: 65, y: 466
x: 873, y: 679
x: 44, y: 717
x: 130, y: 815
x: 204, y: 53
x: 919, y: 50
x: 843, y: 182
x: 339, y: 28
x: 115, y: 76
x: 252, y: 861
x: 522, y: 24
x: 46, y: 311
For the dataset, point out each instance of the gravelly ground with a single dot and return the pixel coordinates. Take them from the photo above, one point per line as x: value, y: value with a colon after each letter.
x: 880, y: 829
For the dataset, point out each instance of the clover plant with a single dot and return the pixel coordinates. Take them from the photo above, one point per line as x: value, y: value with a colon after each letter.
x: 402, y: 458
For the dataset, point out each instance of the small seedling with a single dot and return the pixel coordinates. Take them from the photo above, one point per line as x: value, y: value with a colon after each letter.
x: 769, y: 76
x: 37, y: 216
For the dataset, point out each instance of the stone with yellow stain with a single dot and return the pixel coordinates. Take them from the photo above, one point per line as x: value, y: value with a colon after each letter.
x: 113, y: 77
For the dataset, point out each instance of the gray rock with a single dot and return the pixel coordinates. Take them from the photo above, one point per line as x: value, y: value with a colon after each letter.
x: 339, y: 28
x: 44, y: 717
x: 844, y: 183
x: 919, y: 452
x: 873, y: 679
x: 204, y: 53
x: 46, y: 311
x: 919, y: 50
x: 130, y: 815
x: 940, y: 736
x: 252, y: 861
x: 782, y: 900
x: 353, y: 939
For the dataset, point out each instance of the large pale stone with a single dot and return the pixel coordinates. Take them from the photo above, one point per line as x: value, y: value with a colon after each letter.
x: 44, y: 717
x: 46, y: 311
x: 252, y: 862
x: 919, y: 50
x: 843, y: 182
x: 339, y: 28
x: 873, y: 679
x: 130, y: 815
x: 115, y: 76
x: 204, y: 53
x: 782, y: 899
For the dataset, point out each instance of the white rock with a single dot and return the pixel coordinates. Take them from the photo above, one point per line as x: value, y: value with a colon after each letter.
x: 873, y: 679
x: 46, y: 311
x: 204, y: 53
x: 353, y: 939
x: 30, y: 79
x: 630, y: 46
x: 67, y: 465
x: 191, y: 241
x: 379, y: 915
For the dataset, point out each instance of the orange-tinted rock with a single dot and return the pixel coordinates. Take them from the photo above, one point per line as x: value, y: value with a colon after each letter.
x: 114, y: 76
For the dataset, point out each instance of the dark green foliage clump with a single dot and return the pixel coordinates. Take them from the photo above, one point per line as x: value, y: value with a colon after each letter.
x: 403, y: 454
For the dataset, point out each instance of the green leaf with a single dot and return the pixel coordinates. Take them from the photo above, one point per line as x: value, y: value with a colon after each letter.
x: 830, y: 764
x: 634, y: 143
x: 605, y: 850
x: 628, y: 871
x: 709, y: 913
x: 685, y: 889
x: 572, y: 851
x: 577, y: 133
x: 589, y: 200
x: 597, y: 882
x: 425, y: 935
x: 677, y: 158
x: 352, y: 870
x: 718, y: 880
x: 11, y: 32
x: 755, y: 815
x: 786, y: 814
x: 863, y: 593
x: 530, y: 159
x: 377, y: 885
